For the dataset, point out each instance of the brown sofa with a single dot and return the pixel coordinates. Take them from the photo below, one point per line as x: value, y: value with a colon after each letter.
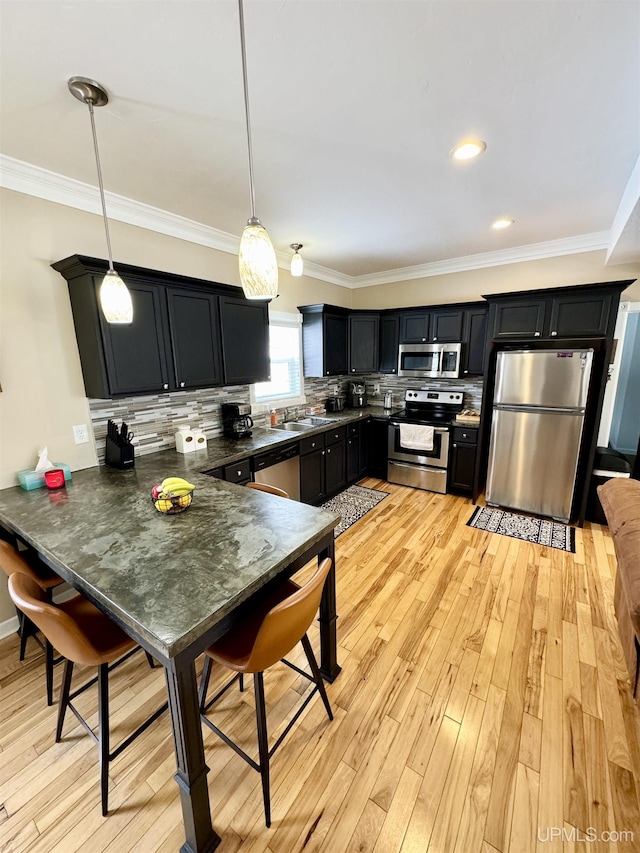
x: 620, y: 499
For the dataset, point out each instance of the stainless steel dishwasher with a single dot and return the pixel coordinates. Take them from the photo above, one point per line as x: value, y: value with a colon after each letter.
x: 281, y: 468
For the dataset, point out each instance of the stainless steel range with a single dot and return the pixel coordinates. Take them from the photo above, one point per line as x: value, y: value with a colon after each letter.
x: 418, y: 439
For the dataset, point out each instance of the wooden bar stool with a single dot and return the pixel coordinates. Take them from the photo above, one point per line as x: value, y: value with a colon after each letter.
x: 83, y: 635
x: 264, y: 637
x: 12, y: 561
x: 265, y: 487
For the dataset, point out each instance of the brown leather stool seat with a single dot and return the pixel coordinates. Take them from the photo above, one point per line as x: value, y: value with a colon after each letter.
x: 265, y: 487
x: 83, y: 635
x: 12, y: 561
x: 267, y: 633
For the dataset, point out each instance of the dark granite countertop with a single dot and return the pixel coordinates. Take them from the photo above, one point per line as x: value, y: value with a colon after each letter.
x: 167, y: 578
x: 226, y: 451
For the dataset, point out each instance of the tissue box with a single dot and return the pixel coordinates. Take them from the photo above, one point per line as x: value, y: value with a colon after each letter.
x: 35, y: 479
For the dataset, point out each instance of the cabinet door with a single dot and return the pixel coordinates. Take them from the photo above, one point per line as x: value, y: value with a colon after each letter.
x: 519, y: 319
x: 414, y: 327
x: 335, y: 468
x: 378, y: 432
x: 463, y: 465
x: 474, y: 340
x: 446, y: 326
x: 245, y: 341
x: 587, y: 316
x: 353, y: 459
x: 363, y: 343
x: 364, y: 449
x: 136, y: 353
x: 312, y: 489
x: 194, y: 320
x: 389, y: 341
x: 335, y: 345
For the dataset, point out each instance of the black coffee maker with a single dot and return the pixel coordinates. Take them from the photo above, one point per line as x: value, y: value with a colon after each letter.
x: 236, y: 420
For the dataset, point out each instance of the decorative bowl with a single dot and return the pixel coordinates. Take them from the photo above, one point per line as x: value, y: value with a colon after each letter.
x: 174, y: 505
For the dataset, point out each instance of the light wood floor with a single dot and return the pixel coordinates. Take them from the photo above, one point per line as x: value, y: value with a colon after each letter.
x: 483, y: 706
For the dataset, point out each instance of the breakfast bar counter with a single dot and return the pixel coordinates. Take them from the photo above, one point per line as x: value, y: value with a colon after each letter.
x: 175, y: 583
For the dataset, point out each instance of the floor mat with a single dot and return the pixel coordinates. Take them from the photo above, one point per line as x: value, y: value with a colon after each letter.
x: 527, y: 527
x: 352, y: 504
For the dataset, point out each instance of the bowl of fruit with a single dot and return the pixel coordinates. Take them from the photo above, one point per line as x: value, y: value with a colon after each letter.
x: 172, y: 495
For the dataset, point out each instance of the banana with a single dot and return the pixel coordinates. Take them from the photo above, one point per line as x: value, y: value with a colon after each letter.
x: 179, y: 492
x: 172, y: 484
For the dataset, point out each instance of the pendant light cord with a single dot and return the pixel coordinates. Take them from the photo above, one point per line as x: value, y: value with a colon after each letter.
x: 246, y: 109
x: 89, y: 103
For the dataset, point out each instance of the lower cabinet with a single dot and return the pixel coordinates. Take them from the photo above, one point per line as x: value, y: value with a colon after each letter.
x: 378, y: 429
x: 323, y: 465
x: 463, y: 460
x: 239, y: 473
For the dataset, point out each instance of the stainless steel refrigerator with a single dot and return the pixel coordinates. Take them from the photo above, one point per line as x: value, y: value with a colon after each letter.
x: 536, y: 429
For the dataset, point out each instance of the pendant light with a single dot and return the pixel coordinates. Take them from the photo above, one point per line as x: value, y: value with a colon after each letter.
x: 257, y: 258
x: 115, y: 298
x: 296, y: 261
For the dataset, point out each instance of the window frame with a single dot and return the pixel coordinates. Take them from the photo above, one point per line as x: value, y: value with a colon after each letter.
x: 281, y: 318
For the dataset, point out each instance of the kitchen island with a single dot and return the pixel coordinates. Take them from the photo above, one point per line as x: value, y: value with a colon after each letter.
x: 175, y: 583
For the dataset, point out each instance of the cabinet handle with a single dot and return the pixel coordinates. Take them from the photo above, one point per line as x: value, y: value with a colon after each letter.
x: 327, y: 373
x: 182, y: 384
x: 553, y: 334
x: 313, y: 444
x: 165, y: 386
x: 537, y: 334
x: 466, y: 371
x: 435, y: 339
x: 323, y: 452
x: 424, y: 339
x: 393, y: 370
x: 455, y: 445
x: 329, y: 450
x: 353, y: 370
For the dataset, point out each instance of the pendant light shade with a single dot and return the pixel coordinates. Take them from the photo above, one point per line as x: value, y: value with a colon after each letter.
x: 257, y: 258
x: 258, y: 264
x: 115, y: 298
x: 296, y: 261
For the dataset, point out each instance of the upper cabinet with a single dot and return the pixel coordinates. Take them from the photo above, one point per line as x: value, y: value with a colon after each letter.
x: 446, y: 325
x: 585, y: 311
x: 245, y: 340
x: 414, y: 327
x: 474, y: 340
x: 325, y: 340
x: 178, y: 338
x: 363, y: 342
x: 389, y: 340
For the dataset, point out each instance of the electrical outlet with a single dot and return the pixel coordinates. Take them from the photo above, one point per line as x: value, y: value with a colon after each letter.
x: 81, y: 434
x: 376, y: 387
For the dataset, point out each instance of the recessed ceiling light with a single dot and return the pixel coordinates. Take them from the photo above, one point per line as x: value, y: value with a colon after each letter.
x: 501, y: 223
x: 468, y: 150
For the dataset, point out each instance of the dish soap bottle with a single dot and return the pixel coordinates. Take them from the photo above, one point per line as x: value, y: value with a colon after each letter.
x: 274, y: 417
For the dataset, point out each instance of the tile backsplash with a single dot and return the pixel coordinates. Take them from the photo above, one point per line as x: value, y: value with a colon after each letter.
x: 154, y: 419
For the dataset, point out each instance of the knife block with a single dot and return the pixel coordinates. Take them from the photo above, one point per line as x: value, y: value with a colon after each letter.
x: 119, y: 456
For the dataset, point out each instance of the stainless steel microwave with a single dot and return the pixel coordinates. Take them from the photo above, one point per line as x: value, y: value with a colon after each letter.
x: 431, y: 361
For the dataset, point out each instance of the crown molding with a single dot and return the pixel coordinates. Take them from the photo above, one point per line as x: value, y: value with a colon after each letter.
x: 51, y: 186
x: 518, y: 254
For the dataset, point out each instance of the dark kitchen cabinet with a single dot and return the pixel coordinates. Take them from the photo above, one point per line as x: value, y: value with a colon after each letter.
x: 463, y: 460
x: 239, y: 472
x: 325, y: 336
x: 175, y: 340
x: 378, y: 430
x: 474, y: 340
x: 323, y: 465
x: 445, y: 326
x: 245, y: 341
x: 335, y: 468
x: 312, y: 489
x: 389, y: 342
x: 414, y: 327
x: 584, y: 311
x: 353, y: 452
x: 517, y: 318
x: 194, y: 320
x: 363, y: 343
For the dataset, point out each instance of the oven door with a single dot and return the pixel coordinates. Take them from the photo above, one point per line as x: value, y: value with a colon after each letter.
x: 436, y: 458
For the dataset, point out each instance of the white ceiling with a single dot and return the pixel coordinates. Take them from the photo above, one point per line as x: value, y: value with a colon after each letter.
x: 355, y: 105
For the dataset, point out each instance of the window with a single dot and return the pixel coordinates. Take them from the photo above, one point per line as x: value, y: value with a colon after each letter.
x: 285, y: 341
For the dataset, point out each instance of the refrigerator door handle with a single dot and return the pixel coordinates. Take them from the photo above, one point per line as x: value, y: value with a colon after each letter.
x: 546, y: 410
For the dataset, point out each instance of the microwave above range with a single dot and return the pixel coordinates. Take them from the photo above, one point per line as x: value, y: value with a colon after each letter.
x: 430, y: 361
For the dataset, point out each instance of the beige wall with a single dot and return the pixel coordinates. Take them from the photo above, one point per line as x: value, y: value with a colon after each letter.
x: 42, y: 390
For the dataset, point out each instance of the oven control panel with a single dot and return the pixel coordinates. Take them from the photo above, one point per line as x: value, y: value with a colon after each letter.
x: 426, y: 395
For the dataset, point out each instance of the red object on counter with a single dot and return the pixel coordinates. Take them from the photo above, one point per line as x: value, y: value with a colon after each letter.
x: 54, y: 478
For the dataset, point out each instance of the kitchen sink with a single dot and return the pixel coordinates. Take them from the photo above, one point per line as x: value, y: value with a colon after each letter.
x: 303, y: 424
x: 294, y: 426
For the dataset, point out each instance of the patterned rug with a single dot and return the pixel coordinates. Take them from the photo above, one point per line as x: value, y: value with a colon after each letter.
x: 526, y: 527
x: 352, y: 504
